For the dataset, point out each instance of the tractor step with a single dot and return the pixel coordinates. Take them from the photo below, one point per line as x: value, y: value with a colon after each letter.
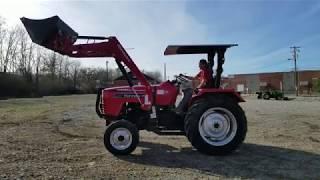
x: 169, y: 132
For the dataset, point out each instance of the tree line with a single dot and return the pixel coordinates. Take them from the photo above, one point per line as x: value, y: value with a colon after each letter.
x: 29, y: 70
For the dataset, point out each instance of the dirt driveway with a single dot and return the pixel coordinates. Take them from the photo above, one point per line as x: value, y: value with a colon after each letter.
x: 61, y: 138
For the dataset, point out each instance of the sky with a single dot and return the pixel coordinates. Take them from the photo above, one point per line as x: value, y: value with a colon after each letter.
x: 264, y: 30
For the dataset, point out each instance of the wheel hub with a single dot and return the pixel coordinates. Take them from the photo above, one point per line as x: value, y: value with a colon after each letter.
x: 217, y: 126
x: 121, y: 138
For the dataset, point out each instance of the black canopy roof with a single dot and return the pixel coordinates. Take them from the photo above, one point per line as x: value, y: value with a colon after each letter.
x: 196, y: 49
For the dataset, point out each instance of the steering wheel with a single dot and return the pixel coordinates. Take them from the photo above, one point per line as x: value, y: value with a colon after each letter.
x: 182, y: 78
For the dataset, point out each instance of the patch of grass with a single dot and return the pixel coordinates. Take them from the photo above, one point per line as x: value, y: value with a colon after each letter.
x: 22, y: 110
x: 16, y: 111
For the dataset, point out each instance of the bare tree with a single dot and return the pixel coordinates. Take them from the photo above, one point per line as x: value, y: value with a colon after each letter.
x: 60, y: 60
x: 41, y: 67
x: 2, y: 37
x: 31, y: 57
x: 37, y: 64
x: 75, y: 67
x: 10, y: 49
x: 66, y: 68
x: 50, y: 63
x: 22, y: 60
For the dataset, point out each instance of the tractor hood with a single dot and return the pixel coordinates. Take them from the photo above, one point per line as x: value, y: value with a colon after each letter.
x: 51, y: 33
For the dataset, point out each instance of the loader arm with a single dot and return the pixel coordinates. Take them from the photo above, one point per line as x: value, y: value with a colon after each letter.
x: 52, y: 33
x: 112, y: 48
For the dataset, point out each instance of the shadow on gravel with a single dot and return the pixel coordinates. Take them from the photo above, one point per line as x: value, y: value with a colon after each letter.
x: 252, y: 160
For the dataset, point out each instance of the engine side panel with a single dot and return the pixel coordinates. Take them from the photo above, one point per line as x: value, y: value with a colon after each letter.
x: 166, y: 94
x: 114, y: 99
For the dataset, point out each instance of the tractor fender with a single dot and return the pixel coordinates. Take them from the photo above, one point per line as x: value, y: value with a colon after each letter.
x: 219, y: 91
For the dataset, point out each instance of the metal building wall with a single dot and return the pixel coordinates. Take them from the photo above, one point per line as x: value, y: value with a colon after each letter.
x: 288, y: 82
x: 253, y: 83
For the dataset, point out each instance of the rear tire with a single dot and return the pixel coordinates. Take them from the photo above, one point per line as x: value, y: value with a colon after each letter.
x: 266, y: 96
x: 121, y: 137
x: 206, y: 125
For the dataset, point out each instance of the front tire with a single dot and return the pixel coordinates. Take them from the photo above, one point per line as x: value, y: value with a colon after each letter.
x: 121, y: 137
x: 216, y: 125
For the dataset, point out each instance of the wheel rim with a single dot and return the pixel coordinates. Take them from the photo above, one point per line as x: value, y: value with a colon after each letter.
x: 121, y: 138
x: 217, y: 126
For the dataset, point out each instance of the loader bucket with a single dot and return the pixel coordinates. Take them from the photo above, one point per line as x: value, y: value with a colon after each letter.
x: 51, y: 33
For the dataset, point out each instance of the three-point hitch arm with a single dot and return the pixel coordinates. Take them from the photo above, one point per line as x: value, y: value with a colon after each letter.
x: 54, y: 34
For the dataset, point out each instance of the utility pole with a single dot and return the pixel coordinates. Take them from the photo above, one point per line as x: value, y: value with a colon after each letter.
x: 295, y: 51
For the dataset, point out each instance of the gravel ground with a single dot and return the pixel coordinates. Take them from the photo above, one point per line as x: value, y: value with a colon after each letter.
x: 61, y: 138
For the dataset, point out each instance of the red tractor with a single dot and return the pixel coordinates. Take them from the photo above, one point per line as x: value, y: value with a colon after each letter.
x: 213, y: 121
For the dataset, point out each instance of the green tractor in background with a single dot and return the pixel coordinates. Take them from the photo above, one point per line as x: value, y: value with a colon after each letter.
x: 271, y: 94
x: 267, y: 92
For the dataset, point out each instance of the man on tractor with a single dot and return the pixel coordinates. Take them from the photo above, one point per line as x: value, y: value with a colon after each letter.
x: 205, y: 75
x: 206, y: 81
